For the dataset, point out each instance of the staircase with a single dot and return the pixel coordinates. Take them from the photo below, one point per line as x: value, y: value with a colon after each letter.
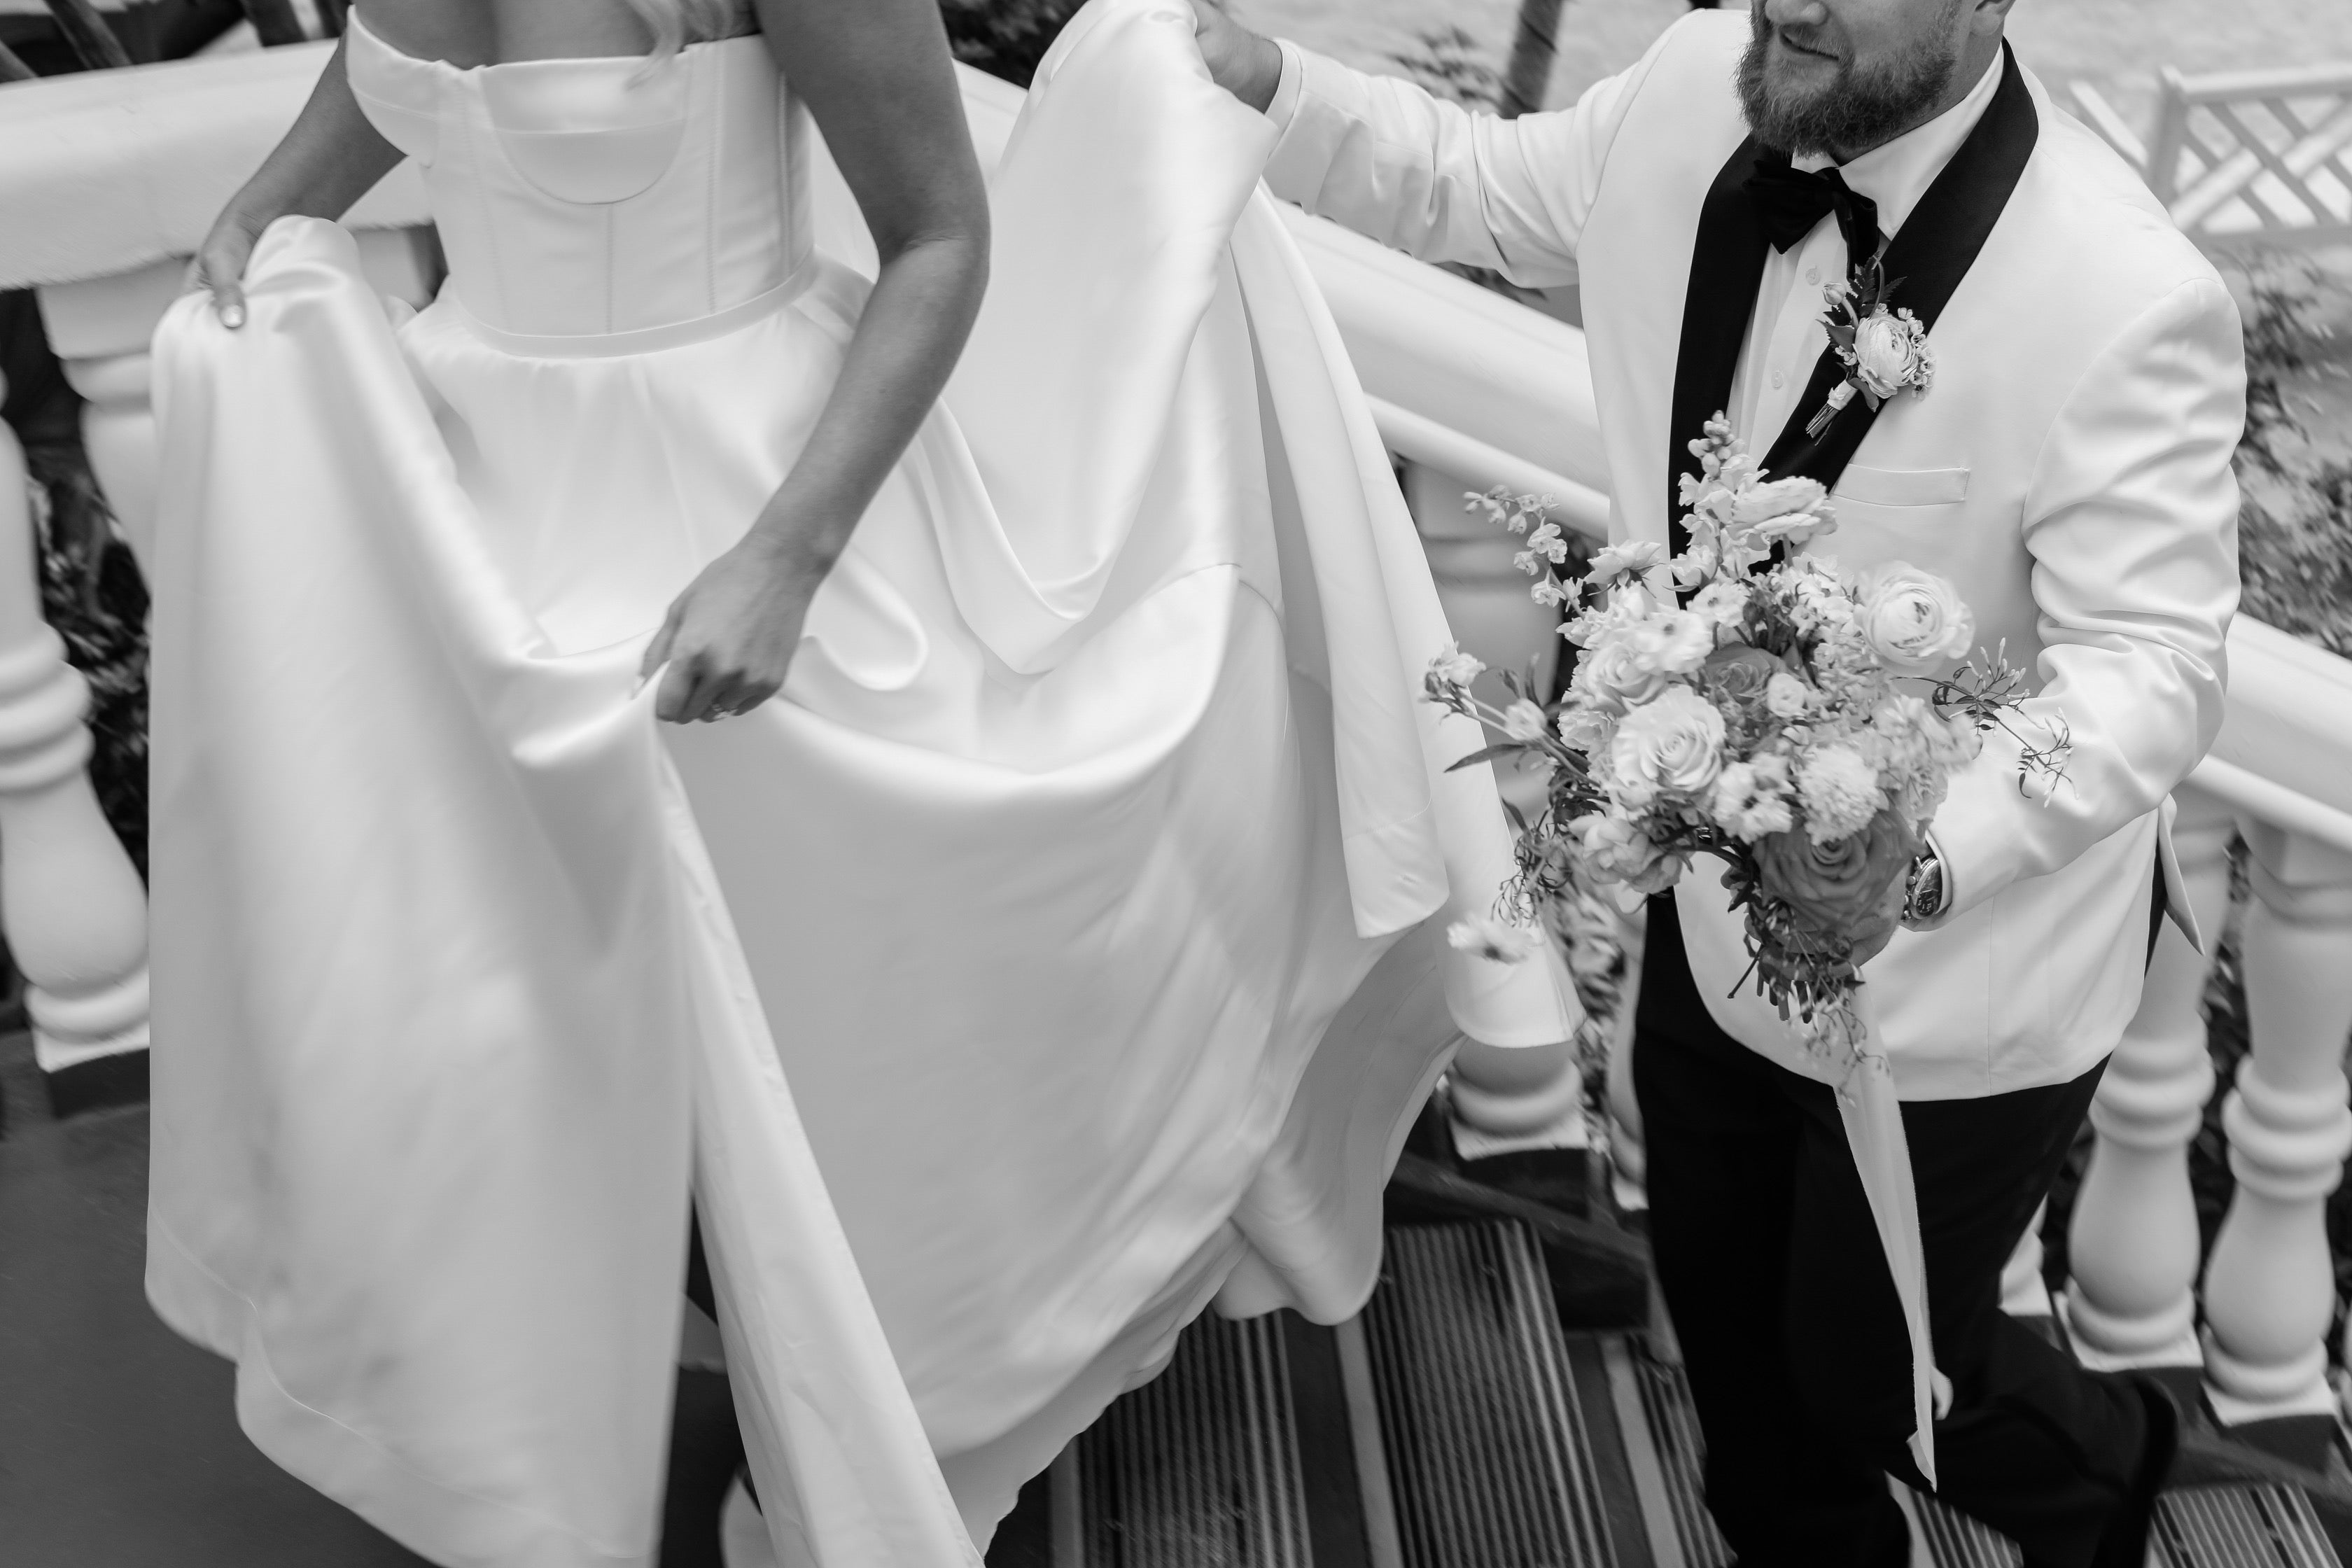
x: 1508, y: 1399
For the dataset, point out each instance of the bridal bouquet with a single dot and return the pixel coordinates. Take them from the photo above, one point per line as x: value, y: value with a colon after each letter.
x: 1773, y: 712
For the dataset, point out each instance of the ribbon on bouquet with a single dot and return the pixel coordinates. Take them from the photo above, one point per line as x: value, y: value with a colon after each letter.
x: 1882, y: 1155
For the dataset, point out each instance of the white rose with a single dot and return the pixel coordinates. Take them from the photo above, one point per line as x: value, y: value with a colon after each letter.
x: 1587, y: 731
x: 1888, y: 352
x: 1785, y: 696
x: 1523, y: 720
x: 1613, y: 675
x: 1915, y: 620
x: 1672, y: 745
x: 1618, y: 849
x: 1840, y: 791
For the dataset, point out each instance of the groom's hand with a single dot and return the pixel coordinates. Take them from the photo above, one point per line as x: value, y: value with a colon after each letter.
x: 1248, y: 67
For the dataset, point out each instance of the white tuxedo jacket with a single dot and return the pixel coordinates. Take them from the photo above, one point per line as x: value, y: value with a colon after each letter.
x: 2069, y: 471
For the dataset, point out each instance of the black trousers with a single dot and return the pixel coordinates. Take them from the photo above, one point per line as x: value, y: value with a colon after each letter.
x: 1790, y: 1325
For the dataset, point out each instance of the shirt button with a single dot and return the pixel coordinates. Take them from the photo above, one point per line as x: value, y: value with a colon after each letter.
x: 1779, y: 381
x: 1812, y: 274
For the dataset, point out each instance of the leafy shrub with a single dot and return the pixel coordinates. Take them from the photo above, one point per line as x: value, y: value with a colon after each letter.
x: 1004, y: 38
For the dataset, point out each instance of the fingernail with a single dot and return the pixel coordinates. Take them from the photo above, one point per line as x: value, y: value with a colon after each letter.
x: 232, y: 315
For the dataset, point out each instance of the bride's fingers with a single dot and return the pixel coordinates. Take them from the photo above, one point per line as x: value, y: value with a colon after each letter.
x: 677, y: 700
x: 657, y: 650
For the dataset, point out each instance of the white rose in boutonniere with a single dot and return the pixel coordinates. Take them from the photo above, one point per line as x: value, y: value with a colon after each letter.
x: 1913, y: 620
x: 1890, y: 352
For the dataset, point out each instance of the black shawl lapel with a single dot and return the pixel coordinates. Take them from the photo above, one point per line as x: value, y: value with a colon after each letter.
x: 1726, y: 268
x: 1939, y: 244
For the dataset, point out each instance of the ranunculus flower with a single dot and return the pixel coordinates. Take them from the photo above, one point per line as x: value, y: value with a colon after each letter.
x: 1497, y: 942
x: 1785, y: 694
x: 1672, y: 745
x: 1838, y: 886
x: 1914, y: 620
x: 1614, y: 674
x: 1738, y: 674
x: 1523, y: 720
x: 1453, y: 666
x: 1840, y: 791
x: 1890, y: 352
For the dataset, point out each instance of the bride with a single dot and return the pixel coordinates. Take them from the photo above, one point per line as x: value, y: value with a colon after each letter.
x: 1029, y: 924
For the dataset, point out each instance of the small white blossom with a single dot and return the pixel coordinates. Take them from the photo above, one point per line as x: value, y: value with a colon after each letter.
x: 1523, y: 720
x: 1752, y: 798
x: 1723, y: 602
x: 1455, y: 666
x: 1494, y: 940
x: 1616, y: 560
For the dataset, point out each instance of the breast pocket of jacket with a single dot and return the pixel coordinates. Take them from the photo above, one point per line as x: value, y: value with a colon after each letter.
x: 1896, y: 513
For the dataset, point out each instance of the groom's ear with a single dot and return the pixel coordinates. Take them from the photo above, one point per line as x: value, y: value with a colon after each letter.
x: 1987, y: 18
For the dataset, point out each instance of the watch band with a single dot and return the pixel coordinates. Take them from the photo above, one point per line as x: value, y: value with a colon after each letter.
x: 1923, y: 898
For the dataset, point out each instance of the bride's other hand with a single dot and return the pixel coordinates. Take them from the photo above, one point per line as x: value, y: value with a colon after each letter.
x: 329, y: 159
x: 1248, y: 67
x: 728, y: 639
x: 218, y: 267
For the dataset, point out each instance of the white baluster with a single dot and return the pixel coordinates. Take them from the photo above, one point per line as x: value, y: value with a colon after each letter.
x: 99, y: 327
x: 2132, y: 1243
x: 73, y: 908
x: 2270, y: 1290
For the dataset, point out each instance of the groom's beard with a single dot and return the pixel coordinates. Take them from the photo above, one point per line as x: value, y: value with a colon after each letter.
x: 1865, y: 106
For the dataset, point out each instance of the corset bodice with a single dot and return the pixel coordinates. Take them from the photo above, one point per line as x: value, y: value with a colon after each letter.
x: 583, y: 197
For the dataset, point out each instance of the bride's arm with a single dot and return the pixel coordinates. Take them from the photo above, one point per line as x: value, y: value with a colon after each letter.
x: 881, y: 83
x: 329, y: 159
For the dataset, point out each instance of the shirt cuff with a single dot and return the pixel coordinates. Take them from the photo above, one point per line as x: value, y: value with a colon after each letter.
x: 1285, y: 92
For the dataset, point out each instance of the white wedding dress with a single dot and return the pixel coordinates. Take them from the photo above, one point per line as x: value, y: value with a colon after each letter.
x: 1062, y: 948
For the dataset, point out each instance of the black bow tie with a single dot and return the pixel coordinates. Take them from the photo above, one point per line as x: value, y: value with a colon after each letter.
x: 1790, y: 202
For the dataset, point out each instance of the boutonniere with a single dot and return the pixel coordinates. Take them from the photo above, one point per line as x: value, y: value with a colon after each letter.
x: 1884, y: 351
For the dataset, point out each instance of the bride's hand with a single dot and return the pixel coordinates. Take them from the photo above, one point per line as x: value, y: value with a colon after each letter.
x: 218, y: 267
x: 1248, y: 67
x: 730, y: 638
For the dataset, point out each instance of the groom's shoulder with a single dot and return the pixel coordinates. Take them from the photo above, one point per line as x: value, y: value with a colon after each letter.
x: 1694, y: 60
x: 2093, y: 226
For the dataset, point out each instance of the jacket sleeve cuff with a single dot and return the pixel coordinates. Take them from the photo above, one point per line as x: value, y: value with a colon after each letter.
x: 1285, y: 106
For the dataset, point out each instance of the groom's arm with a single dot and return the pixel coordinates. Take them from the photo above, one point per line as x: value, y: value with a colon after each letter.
x: 1425, y: 176
x: 2131, y: 519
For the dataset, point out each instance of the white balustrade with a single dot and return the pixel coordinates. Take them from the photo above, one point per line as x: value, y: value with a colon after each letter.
x: 106, y: 182
x: 74, y: 908
x: 2132, y: 1243
x: 2270, y: 1286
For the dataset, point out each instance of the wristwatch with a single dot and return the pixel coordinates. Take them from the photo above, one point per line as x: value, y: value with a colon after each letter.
x: 1923, y: 895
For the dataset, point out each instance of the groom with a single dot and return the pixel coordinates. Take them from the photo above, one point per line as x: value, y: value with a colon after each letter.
x: 2067, y: 467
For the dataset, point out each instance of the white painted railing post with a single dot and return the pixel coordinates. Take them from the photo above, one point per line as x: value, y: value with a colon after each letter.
x: 2132, y: 1243
x: 2270, y: 1290
x: 73, y: 908
x: 1521, y: 1098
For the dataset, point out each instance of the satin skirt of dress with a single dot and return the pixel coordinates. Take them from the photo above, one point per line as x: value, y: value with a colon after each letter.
x: 1060, y: 950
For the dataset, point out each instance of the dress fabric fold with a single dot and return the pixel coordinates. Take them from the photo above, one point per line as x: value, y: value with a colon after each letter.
x: 1062, y: 948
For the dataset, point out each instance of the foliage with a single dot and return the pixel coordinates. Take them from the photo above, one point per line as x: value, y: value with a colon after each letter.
x: 2294, y: 526
x: 1004, y: 38
x: 1448, y: 62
